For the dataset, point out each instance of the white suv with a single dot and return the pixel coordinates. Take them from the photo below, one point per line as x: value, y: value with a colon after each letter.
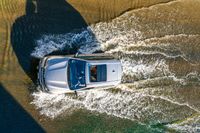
x: 64, y: 74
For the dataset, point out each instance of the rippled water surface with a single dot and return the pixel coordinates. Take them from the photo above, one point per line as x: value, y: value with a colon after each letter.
x: 157, y: 42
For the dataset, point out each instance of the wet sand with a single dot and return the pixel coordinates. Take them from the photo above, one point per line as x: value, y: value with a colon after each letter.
x: 22, y: 22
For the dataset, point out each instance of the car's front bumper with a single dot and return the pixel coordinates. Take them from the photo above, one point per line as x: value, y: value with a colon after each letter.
x: 41, y: 74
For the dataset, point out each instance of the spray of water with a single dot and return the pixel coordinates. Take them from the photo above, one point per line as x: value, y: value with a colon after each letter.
x: 145, y: 72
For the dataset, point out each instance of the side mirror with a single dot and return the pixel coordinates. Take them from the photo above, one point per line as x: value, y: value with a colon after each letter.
x: 76, y: 94
x: 76, y: 55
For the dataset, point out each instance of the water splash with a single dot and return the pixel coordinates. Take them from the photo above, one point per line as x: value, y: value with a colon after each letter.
x: 74, y: 40
x: 125, y: 103
x: 150, y: 89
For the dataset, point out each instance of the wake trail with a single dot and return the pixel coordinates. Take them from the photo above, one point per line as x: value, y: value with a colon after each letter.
x: 145, y: 57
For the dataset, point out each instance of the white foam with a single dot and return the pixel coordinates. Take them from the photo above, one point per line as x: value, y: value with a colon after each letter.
x: 140, y: 69
x: 126, y: 103
x: 49, y: 43
x: 100, y: 101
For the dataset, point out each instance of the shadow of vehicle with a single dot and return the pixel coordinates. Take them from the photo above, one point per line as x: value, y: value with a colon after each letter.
x: 13, y: 117
x: 43, y: 17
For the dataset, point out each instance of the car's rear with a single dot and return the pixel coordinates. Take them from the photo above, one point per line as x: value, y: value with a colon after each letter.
x: 114, y: 72
x: 103, y: 73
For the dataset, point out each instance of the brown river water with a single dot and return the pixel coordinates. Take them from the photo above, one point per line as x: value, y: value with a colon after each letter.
x: 157, y: 41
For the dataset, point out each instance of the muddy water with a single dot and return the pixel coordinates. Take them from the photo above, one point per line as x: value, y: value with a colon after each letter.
x: 158, y: 43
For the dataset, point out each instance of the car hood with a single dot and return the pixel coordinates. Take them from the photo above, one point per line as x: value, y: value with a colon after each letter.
x: 56, y: 74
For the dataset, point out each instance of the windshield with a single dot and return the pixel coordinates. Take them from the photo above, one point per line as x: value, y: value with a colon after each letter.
x: 76, y: 74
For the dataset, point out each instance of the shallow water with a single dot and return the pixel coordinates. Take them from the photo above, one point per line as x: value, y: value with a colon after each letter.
x: 156, y: 41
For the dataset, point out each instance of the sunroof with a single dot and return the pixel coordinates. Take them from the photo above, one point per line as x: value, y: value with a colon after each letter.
x: 98, y: 73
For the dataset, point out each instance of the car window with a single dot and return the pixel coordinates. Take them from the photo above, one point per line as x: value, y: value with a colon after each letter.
x: 98, y: 73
